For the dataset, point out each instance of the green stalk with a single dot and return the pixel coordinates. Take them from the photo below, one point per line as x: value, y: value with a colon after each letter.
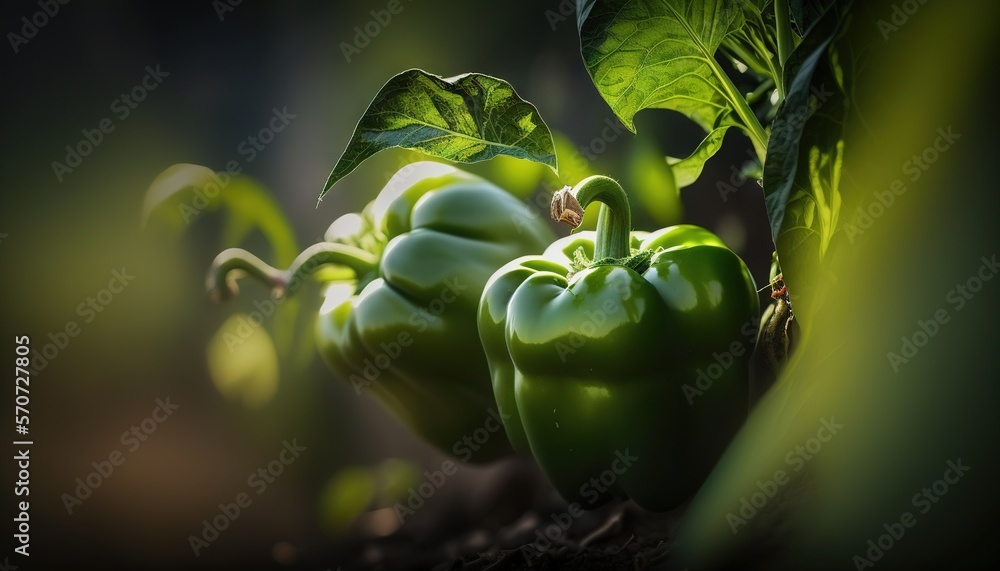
x: 783, y: 27
x: 774, y: 63
x: 776, y: 72
x: 222, y: 286
x: 747, y: 58
x: 758, y: 137
x: 756, y: 133
x: 614, y: 224
x: 763, y: 88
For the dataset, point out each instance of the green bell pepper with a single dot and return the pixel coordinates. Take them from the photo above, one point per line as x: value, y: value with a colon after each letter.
x: 404, y: 280
x: 591, y: 345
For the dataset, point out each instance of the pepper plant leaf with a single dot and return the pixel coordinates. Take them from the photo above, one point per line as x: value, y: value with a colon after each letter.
x: 688, y: 169
x: 805, y: 13
x: 465, y: 119
x: 644, y: 54
x: 803, y: 174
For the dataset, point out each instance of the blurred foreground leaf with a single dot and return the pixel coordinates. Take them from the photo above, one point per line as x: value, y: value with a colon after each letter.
x: 876, y: 447
x: 183, y: 193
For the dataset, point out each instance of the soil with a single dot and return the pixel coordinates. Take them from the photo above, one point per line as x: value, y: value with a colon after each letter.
x: 511, y: 519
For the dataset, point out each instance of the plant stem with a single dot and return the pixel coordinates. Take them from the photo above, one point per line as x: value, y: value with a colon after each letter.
x: 748, y: 59
x: 754, y: 130
x: 773, y: 61
x: 614, y: 223
x: 783, y: 27
x: 757, y: 134
x: 222, y: 287
x: 776, y: 73
x: 763, y: 88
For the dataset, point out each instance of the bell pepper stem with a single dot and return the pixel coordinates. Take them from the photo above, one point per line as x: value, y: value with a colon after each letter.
x: 221, y: 281
x: 614, y: 223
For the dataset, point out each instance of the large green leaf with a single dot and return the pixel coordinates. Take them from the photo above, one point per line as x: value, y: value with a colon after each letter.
x: 661, y: 54
x: 466, y: 119
x: 644, y: 54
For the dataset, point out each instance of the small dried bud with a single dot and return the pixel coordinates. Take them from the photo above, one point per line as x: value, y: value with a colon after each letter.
x: 566, y: 208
